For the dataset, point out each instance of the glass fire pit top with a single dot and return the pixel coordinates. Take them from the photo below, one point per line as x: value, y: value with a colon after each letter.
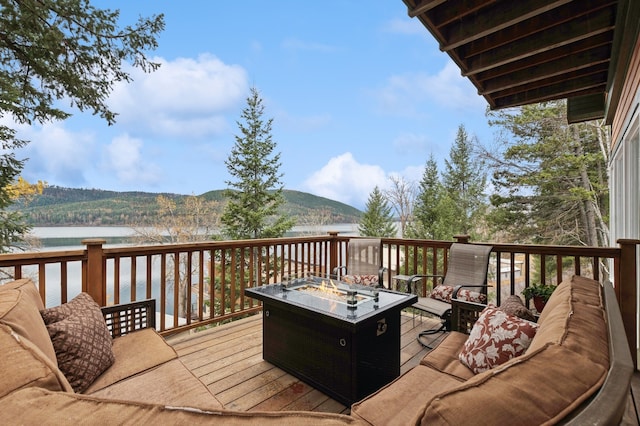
x: 350, y: 302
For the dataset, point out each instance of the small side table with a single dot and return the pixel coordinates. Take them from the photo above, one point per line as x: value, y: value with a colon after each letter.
x: 403, y: 279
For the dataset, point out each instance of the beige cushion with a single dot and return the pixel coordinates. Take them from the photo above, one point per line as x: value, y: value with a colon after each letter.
x: 134, y: 352
x: 20, y: 306
x: 168, y: 384
x: 81, y: 340
x: 403, y: 401
x: 24, y: 365
x: 535, y: 388
x: 38, y: 406
x: 444, y: 357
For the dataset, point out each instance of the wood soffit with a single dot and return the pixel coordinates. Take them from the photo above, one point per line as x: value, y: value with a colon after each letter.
x: 527, y: 51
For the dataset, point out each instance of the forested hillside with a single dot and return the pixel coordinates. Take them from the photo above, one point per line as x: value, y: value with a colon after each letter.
x: 59, y: 206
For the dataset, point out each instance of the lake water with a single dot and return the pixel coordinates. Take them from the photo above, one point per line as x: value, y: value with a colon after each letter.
x: 70, y: 237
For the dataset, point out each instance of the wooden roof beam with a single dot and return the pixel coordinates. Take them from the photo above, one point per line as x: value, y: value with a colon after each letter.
x: 582, y: 28
x: 423, y: 6
x: 597, y: 59
x: 494, y: 19
x: 556, y: 91
x: 555, y: 18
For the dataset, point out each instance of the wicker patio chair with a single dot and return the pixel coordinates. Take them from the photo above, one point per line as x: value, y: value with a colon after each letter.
x: 465, y: 279
x: 364, y: 263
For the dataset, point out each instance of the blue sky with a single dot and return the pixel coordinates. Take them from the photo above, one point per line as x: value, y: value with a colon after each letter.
x: 357, y: 91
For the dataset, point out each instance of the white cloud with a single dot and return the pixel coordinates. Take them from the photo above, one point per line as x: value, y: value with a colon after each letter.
x: 57, y: 154
x: 185, y: 97
x: 404, y: 26
x: 123, y: 157
x: 409, y: 93
x: 345, y: 180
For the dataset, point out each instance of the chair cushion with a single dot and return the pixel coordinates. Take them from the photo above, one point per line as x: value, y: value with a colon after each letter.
x: 361, y: 279
x: 445, y: 292
x: 495, y: 338
x: 81, y: 340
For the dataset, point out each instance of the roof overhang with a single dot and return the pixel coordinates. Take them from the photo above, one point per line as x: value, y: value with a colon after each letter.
x: 527, y: 51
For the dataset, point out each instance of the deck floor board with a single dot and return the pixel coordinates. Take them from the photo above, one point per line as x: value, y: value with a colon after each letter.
x: 228, y: 359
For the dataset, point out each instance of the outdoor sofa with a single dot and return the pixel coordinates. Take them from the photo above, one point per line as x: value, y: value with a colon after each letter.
x: 575, y: 365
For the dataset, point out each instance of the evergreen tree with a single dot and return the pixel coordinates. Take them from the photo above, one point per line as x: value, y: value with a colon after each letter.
x: 464, y: 183
x: 550, y: 177
x: 377, y: 220
x: 255, y: 197
x: 53, y: 50
x: 427, y: 219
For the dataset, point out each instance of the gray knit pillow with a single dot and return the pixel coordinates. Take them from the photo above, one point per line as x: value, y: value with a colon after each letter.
x: 513, y: 305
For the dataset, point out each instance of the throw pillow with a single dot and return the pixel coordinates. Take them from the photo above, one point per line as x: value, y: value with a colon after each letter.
x: 495, y: 338
x: 81, y: 340
x: 442, y: 292
x: 361, y: 279
x: 513, y: 306
x: 445, y: 292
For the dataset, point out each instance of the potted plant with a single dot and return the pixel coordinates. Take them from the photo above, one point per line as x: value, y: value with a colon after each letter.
x: 540, y: 293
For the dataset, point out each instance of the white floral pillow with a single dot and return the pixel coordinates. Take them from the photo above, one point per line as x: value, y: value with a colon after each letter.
x: 495, y: 338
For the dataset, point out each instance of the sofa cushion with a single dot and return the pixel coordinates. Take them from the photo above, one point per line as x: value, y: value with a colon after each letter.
x: 170, y: 383
x: 404, y: 400
x: 513, y: 305
x: 444, y: 357
x: 23, y: 365
x: 134, y: 353
x: 81, y: 340
x: 20, y: 306
x: 495, y: 338
x: 539, y: 387
x: 26, y: 407
x: 574, y: 317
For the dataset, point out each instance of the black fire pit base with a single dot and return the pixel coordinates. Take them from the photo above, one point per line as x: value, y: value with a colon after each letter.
x: 344, y: 361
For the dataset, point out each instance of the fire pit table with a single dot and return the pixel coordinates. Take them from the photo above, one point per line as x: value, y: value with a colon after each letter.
x: 342, y: 339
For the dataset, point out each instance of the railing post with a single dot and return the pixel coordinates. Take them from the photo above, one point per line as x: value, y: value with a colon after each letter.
x: 94, y: 280
x: 333, y: 251
x: 627, y: 292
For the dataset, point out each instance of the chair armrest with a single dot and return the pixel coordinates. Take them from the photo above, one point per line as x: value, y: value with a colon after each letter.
x: 464, y: 315
x: 127, y: 317
x: 381, y: 272
x: 413, y: 280
x: 457, y: 289
x: 337, y: 269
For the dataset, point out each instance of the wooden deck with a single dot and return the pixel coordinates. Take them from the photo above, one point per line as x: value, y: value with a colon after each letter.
x: 228, y: 359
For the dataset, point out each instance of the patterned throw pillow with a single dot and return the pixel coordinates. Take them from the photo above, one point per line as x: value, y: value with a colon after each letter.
x: 81, y: 340
x: 442, y: 292
x: 513, y: 306
x: 495, y: 338
x: 445, y: 292
x: 361, y: 279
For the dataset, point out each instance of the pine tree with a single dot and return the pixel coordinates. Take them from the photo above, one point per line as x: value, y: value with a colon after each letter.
x: 550, y: 177
x: 377, y: 220
x: 432, y: 212
x: 464, y: 182
x: 255, y: 197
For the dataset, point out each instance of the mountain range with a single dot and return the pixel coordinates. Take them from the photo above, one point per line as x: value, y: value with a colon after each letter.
x: 59, y: 206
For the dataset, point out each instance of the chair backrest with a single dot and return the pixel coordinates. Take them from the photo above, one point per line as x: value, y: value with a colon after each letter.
x: 467, y: 265
x: 364, y: 257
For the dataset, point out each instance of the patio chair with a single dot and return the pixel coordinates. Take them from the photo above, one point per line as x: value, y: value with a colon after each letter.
x: 465, y: 279
x: 364, y: 263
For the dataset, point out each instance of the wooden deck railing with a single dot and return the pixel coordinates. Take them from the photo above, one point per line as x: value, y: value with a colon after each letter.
x: 199, y: 284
